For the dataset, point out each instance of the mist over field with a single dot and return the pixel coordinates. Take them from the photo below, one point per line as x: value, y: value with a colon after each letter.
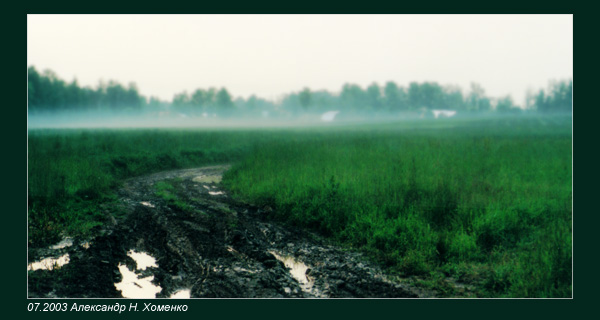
x: 55, y: 103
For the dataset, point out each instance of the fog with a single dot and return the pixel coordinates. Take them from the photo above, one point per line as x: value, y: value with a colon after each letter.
x: 56, y: 103
x: 105, y: 119
x: 110, y: 120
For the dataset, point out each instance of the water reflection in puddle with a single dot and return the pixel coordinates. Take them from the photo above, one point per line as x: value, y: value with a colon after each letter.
x: 216, y: 193
x: 132, y: 285
x: 66, y: 242
x: 207, y: 179
x: 147, y: 204
x: 142, y: 259
x: 297, y: 270
x: 49, y: 263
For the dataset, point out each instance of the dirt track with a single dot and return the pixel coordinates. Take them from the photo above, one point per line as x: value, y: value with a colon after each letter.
x: 212, y: 246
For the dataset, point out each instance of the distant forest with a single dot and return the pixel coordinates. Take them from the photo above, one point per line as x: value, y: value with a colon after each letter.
x: 47, y: 93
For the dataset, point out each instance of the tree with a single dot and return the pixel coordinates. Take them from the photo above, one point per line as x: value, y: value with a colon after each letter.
x: 305, y: 98
x: 132, y: 97
x: 558, y: 99
x: 181, y: 100
x: 47, y: 92
x: 429, y: 95
x: 251, y: 104
x: 562, y: 96
x: 33, y: 89
x: 476, y: 100
x: 374, y: 98
x: 506, y: 105
x: 116, y: 95
x: 74, y: 95
x: 156, y: 104
x: 323, y: 100
x: 432, y: 95
x: 453, y: 98
x: 223, y: 101
x: 415, y: 96
x: 485, y: 104
x: 291, y: 103
x: 395, y: 98
x: 201, y: 101
x: 529, y: 99
x: 198, y: 98
x: 353, y: 97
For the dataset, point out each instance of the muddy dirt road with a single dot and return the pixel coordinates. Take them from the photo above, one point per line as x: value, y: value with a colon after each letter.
x: 180, y: 235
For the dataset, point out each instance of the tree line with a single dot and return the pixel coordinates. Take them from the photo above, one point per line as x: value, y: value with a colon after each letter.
x: 47, y: 92
x: 558, y: 97
x: 416, y: 97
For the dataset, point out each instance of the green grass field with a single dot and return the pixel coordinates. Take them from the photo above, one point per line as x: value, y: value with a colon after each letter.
x: 488, y: 202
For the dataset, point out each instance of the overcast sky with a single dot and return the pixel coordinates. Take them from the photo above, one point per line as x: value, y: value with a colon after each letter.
x: 271, y: 55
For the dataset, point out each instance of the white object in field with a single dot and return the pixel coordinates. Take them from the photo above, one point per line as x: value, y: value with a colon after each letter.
x: 443, y: 113
x: 329, y: 116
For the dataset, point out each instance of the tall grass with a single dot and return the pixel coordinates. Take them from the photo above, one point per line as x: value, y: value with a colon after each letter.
x: 479, y: 202
x: 72, y: 172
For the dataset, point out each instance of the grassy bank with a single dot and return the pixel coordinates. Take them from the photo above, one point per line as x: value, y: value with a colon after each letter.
x: 485, y: 201
x: 72, y: 172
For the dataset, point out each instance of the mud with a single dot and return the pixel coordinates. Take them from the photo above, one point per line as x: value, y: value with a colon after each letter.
x: 213, y: 247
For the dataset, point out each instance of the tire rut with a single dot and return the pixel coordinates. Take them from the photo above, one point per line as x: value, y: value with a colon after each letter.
x: 211, y: 246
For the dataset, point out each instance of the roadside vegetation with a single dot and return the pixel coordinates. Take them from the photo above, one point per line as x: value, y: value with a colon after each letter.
x: 487, y: 202
x: 73, y: 174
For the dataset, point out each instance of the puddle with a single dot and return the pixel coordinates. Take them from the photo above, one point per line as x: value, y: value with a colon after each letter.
x: 240, y: 269
x: 147, y: 204
x: 181, y: 294
x: 216, y: 193
x: 297, y: 270
x: 49, y: 263
x: 132, y: 286
x: 66, y: 242
x: 142, y: 259
x: 207, y: 179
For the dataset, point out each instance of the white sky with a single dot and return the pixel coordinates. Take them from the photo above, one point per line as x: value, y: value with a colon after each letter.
x: 271, y: 55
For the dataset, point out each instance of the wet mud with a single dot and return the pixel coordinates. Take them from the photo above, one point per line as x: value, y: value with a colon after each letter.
x: 204, y: 245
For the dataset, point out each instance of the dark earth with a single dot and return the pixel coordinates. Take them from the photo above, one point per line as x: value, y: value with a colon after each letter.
x: 211, y: 244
